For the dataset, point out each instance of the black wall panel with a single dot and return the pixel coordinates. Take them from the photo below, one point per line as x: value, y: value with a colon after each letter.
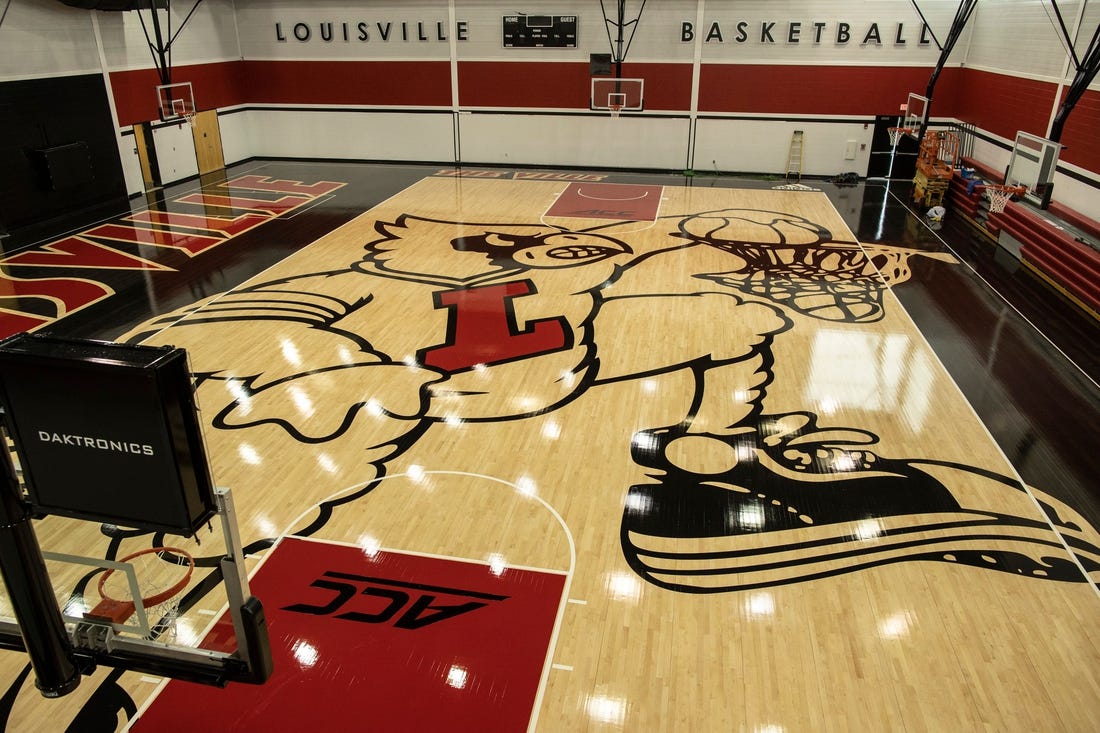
x: 58, y: 155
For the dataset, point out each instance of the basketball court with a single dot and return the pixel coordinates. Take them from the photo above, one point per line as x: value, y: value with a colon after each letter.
x: 435, y: 369
x: 566, y: 455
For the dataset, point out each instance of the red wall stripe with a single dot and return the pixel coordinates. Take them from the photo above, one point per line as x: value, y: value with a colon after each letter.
x: 516, y: 84
x: 214, y: 85
x: 397, y: 83
x: 520, y: 84
x: 667, y: 86
x: 1081, y: 135
x: 1003, y: 104
x: 820, y: 90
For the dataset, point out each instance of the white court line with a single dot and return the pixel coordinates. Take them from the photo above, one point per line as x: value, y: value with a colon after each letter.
x: 605, y: 198
x: 291, y: 213
x: 995, y: 291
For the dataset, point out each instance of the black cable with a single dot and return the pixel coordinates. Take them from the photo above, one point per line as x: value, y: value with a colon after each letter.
x: 939, y: 46
x: 184, y: 23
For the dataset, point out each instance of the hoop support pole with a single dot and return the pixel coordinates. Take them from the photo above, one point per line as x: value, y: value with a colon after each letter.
x: 249, y: 622
x: 29, y: 589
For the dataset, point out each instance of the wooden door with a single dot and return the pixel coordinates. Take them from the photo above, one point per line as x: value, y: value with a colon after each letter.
x: 208, y: 141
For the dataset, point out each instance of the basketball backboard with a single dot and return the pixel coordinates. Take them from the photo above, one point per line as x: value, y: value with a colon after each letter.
x: 623, y: 95
x: 1032, y: 165
x: 175, y: 102
x: 916, y: 115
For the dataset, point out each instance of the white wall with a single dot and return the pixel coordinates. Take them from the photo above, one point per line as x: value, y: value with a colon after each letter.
x: 1076, y: 195
x: 210, y: 35
x: 44, y: 39
x: 257, y: 19
x: 763, y: 146
x: 339, y: 135
x: 656, y: 39
x: 237, y: 134
x: 806, y: 48
x: 591, y: 140
x: 1019, y: 37
x: 175, y: 152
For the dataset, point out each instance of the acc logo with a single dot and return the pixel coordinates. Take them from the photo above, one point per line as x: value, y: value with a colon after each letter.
x: 418, y: 608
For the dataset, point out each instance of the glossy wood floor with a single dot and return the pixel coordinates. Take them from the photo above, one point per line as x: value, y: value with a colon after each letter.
x: 743, y: 453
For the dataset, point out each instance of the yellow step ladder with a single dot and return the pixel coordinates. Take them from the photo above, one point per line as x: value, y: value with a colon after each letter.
x: 794, y: 156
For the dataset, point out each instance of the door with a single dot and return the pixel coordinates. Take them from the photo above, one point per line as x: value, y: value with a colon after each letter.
x: 885, y: 161
x: 208, y: 141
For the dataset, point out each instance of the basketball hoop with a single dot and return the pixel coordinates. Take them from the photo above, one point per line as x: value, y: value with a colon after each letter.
x: 896, y: 133
x: 615, y: 109
x: 161, y: 572
x: 184, y: 111
x: 999, y: 196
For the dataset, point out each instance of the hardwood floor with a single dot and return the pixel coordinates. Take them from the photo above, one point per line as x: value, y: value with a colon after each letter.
x: 683, y: 453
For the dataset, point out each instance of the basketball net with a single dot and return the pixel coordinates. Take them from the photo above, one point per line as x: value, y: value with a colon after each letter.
x: 896, y: 133
x: 184, y: 111
x: 999, y: 197
x: 615, y: 109
x: 161, y: 573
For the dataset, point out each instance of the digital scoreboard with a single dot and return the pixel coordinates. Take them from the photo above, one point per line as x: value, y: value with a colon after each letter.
x: 540, y: 31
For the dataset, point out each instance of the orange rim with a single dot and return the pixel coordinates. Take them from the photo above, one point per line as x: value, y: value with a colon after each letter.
x: 163, y: 595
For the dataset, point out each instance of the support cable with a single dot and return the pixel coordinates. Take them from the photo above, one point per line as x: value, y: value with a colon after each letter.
x: 924, y: 20
x: 1086, y: 68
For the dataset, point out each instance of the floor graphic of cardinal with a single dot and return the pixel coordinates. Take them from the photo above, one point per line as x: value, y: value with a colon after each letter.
x: 503, y: 310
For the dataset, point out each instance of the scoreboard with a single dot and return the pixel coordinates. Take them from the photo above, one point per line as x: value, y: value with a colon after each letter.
x: 540, y: 31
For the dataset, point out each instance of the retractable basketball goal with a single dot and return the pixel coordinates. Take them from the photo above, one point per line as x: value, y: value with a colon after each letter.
x: 614, y: 93
x: 107, y: 437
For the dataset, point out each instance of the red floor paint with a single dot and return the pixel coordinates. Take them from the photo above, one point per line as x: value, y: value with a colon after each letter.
x: 389, y: 642
x: 619, y: 201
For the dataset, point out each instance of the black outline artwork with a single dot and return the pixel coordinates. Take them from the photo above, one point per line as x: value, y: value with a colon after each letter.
x: 806, y: 503
x: 790, y: 473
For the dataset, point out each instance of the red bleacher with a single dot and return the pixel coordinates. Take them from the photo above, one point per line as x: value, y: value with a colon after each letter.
x: 1073, y: 265
x: 1049, y: 249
